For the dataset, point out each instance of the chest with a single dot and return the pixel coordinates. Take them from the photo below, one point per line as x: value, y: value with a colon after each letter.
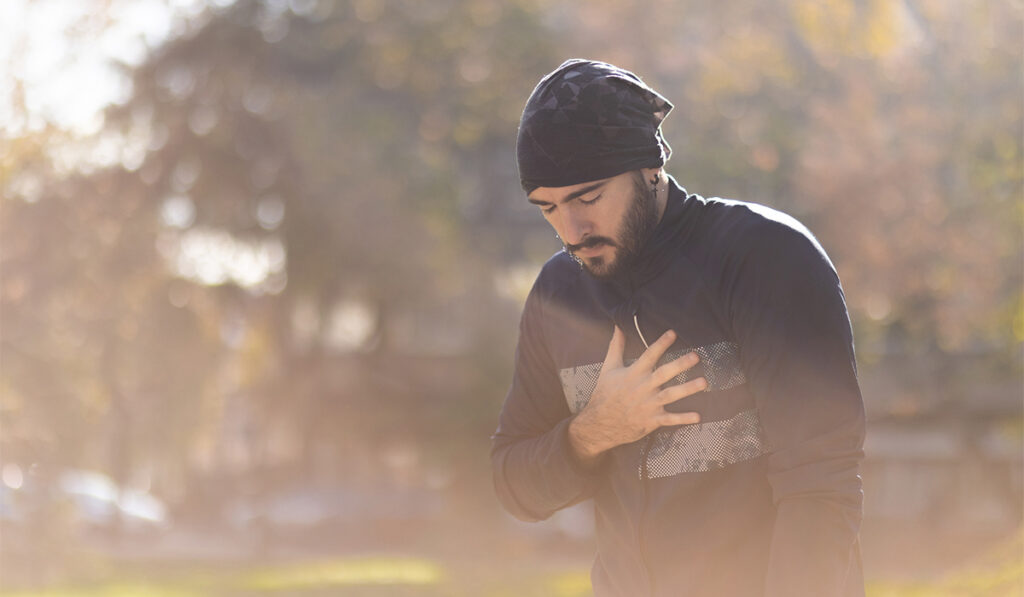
x: 579, y: 328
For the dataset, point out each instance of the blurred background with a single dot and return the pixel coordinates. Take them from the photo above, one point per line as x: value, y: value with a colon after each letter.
x: 261, y: 267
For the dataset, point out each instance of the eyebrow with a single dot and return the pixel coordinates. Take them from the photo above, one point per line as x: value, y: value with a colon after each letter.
x: 572, y: 195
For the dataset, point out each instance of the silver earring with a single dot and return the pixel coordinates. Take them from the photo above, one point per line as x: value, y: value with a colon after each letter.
x: 572, y: 255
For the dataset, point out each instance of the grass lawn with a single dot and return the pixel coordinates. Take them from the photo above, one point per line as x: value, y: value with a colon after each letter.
x: 346, y: 577
x: 998, y: 574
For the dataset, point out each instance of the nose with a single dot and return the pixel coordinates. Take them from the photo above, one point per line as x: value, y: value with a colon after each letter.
x: 574, y: 228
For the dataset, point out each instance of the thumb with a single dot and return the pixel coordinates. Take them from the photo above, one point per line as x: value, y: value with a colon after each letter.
x: 615, y: 349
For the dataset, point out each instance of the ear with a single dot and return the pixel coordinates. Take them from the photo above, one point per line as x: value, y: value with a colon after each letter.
x: 652, y: 176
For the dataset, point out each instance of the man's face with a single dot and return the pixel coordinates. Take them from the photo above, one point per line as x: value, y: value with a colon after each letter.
x: 602, y: 223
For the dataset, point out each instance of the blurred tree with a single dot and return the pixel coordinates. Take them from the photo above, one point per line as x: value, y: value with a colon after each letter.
x: 338, y: 131
x: 85, y: 318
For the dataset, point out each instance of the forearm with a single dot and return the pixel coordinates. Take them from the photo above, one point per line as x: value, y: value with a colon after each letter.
x: 819, y: 499
x: 813, y: 544
x: 536, y: 476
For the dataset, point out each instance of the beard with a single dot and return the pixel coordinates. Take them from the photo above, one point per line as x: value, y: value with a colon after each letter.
x: 636, y: 229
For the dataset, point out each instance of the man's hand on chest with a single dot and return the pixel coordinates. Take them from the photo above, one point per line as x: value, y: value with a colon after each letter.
x: 629, y: 402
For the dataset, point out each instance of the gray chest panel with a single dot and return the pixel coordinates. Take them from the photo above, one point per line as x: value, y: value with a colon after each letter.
x: 690, y: 448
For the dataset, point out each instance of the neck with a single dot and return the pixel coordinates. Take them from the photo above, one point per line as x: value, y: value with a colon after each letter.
x: 661, y: 195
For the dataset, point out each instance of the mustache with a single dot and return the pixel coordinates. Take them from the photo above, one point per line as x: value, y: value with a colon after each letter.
x: 589, y: 242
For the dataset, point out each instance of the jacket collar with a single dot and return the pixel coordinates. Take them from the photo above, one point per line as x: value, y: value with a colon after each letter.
x: 671, y: 231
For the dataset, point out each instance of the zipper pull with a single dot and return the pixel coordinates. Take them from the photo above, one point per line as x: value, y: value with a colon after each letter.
x: 636, y: 324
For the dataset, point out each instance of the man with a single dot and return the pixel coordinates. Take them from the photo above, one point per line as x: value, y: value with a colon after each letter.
x: 686, y: 362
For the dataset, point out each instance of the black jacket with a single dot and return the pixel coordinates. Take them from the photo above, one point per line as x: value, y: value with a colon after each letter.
x: 763, y: 496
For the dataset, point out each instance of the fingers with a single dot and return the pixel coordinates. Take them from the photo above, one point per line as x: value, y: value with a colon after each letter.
x: 669, y: 370
x: 652, y: 355
x: 670, y: 419
x: 615, y: 349
x: 673, y: 393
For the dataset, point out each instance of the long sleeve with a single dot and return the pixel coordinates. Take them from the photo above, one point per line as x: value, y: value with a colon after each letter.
x: 788, y: 313
x: 535, y: 470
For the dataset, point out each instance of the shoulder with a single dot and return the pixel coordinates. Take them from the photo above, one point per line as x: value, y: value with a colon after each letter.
x: 557, y: 276
x: 751, y: 232
x: 558, y: 273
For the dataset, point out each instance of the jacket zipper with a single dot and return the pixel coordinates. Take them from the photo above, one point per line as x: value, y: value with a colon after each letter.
x: 645, y: 450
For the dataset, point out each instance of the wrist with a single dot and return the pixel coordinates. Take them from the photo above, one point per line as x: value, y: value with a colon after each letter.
x: 586, y: 451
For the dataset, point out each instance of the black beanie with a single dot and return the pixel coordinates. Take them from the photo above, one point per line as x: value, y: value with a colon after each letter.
x: 589, y: 120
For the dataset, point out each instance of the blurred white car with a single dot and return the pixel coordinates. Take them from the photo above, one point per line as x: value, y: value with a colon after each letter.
x: 98, y: 501
x: 92, y: 499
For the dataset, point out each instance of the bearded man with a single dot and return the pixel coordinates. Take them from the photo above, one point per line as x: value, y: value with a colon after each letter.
x: 685, y: 362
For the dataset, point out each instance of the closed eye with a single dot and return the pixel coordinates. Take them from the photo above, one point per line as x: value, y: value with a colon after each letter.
x: 589, y: 201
